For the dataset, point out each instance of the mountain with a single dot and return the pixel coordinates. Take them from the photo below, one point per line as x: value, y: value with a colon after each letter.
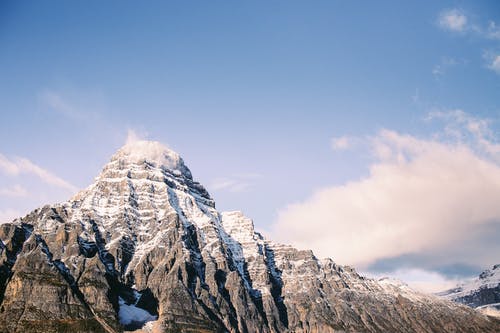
x: 482, y: 293
x: 144, y: 248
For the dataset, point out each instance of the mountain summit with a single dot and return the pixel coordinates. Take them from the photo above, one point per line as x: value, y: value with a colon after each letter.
x: 143, y: 248
x: 154, y: 153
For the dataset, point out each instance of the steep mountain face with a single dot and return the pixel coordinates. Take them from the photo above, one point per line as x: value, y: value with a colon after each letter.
x: 143, y: 248
x: 483, y: 293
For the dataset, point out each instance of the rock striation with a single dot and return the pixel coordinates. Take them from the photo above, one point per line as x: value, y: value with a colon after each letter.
x: 144, y: 249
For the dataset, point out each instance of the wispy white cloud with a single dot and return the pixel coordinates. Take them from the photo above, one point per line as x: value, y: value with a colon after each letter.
x: 230, y: 184
x: 13, y: 191
x: 422, y: 195
x: 469, y: 130
x: 493, y: 31
x: 453, y: 20
x: 416, y: 96
x: 437, y: 71
x: 19, y: 165
x: 135, y: 135
x: 77, y: 105
x: 494, y: 63
x: 341, y: 143
x: 235, y: 183
x: 458, y: 21
x: 444, y: 65
x: 56, y: 102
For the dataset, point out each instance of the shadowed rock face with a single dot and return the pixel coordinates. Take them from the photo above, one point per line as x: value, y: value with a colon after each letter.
x: 143, y: 248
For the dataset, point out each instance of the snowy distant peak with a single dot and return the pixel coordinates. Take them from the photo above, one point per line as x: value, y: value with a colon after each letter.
x: 478, y: 291
x: 482, y: 293
x: 154, y: 153
x: 491, y: 274
x: 489, y: 278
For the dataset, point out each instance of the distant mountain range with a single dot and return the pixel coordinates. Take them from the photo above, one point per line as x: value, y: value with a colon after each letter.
x: 144, y: 249
x: 482, y: 293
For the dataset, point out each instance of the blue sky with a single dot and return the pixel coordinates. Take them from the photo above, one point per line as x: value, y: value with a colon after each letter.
x: 254, y: 95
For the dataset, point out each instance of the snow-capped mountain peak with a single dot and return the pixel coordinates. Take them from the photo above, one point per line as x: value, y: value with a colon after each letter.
x: 488, y: 279
x: 482, y: 293
x: 154, y: 153
x: 145, y: 247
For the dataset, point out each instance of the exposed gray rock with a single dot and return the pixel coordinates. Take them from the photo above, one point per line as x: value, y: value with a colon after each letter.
x: 143, y: 248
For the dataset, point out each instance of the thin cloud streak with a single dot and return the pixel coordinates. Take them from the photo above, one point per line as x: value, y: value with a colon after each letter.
x: 57, y: 103
x: 77, y: 106
x: 446, y: 63
x: 235, y: 184
x: 19, y: 165
x: 13, y: 191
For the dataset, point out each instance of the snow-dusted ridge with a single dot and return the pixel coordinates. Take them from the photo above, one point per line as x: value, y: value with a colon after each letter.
x: 488, y: 279
x: 150, y: 237
x: 482, y: 293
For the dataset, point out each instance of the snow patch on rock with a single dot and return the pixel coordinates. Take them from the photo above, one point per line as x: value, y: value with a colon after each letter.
x: 130, y: 314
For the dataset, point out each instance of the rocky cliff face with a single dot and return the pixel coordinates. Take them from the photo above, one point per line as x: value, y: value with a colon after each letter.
x: 482, y: 293
x: 144, y: 249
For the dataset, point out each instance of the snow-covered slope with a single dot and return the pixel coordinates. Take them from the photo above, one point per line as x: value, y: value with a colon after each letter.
x: 482, y: 293
x: 143, y: 185
x: 144, y: 247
